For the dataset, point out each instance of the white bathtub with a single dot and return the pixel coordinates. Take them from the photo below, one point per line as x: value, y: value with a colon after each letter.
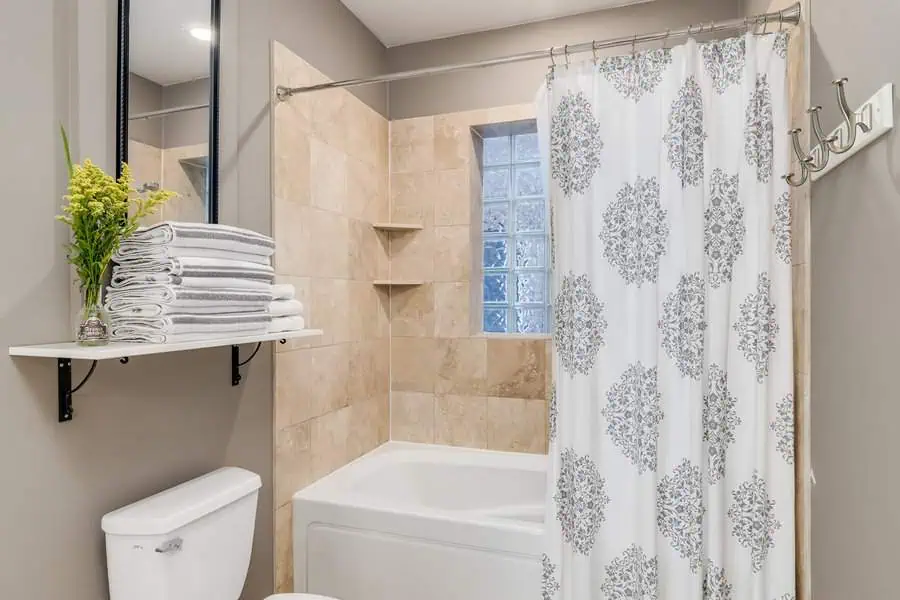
x: 421, y: 522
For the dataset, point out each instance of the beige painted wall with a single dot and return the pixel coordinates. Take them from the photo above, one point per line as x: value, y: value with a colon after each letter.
x: 160, y: 420
x: 855, y: 325
x: 330, y: 168
x: 451, y: 384
x: 517, y: 84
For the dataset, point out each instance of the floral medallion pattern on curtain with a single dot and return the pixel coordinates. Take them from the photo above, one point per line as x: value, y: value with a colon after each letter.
x: 671, y: 415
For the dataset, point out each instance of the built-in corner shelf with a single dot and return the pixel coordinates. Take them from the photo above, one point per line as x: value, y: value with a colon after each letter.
x: 396, y: 227
x: 66, y: 352
x: 397, y: 283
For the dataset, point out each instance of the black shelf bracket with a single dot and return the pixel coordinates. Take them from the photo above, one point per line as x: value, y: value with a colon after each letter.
x: 65, y: 390
x: 236, y: 362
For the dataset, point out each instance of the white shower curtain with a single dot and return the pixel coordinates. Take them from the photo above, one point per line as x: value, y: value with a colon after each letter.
x: 672, y: 425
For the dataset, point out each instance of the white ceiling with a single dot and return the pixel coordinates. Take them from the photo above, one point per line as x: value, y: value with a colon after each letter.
x: 161, y: 46
x: 398, y: 22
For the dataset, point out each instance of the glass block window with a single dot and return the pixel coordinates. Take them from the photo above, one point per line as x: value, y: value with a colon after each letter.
x: 515, y: 232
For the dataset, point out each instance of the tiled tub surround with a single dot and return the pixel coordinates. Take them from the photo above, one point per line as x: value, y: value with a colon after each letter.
x: 330, y: 166
x: 450, y: 383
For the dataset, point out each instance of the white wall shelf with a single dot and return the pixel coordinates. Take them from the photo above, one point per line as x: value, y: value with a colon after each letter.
x: 66, y: 352
x: 397, y: 227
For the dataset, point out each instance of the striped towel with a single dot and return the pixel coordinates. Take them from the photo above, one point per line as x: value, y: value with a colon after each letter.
x: 197, y: 235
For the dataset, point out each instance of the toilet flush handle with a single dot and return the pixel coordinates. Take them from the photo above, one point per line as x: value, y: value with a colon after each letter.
x: 171, y: 546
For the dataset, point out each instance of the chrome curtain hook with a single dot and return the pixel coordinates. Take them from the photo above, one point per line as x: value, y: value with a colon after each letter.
x: 594, y: 50
x: 552, y: 60
x: 666, y: 39
x: 765, y: 25
x: 634, y: 45
x: 566, y: 52
x: 781, y: 22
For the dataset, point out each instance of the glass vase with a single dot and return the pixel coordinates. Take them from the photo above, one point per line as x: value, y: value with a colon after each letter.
x: 93, y: 326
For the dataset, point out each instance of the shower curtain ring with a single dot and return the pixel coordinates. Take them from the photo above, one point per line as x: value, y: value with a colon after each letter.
x: 552, y: 60
x: 666, y: 39
x: 765, y: 25
x: 780, y: 22
x: 566, y: 52
x: 594, y: 50
x: 634, y: 45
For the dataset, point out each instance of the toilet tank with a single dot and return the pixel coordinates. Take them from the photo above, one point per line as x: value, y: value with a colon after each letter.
x: 190, y: 542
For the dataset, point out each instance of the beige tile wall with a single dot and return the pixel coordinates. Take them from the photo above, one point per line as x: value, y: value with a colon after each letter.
x: 186, y: 181
x: 450, y: 383
x: 330, y: 165
x: 799, y: 89
x: 150, y: 164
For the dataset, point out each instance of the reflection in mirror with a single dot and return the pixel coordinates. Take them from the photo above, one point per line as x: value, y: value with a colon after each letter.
x: 169, y: 96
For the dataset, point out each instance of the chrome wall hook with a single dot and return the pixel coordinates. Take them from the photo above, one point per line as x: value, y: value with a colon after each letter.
x: 824, y: 154
x: 876, y: 115
x: 851, y: 121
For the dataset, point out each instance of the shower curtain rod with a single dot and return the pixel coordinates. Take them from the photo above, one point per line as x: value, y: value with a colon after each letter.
x: 787, y: 16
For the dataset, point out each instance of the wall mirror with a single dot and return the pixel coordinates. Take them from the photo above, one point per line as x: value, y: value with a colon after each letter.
x: 168, y: 96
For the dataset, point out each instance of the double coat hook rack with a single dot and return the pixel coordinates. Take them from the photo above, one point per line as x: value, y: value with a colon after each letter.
x: 858, y: 129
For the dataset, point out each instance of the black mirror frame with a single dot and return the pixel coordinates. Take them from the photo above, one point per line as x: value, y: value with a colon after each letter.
x: 122, y: 71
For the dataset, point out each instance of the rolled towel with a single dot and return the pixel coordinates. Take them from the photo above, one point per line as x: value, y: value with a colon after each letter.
x: 286, y: 308
x: 281, y: 324
x: 283, y: 291
x: 198, y: 235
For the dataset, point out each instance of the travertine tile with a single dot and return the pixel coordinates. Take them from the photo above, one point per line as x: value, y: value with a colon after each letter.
x: 328, y: 176
x: 383, y: 367
x: 284, y: 549
x: 360, y: 251
x: 412, y: 311
x: 329, y: 117
x: 329, y: 307
x: 516, y: 368
x: 382, y: 313
x: 362, y: 188
x: 293, y: 461
x: 291, y: 158
x: 452, y: 200
x: 452, y: 317
x: 452, y: 253
x: 413, y: 364
x: 460, y: 421
x: 310, y: 382
x: 412, y: 198
x: 412, y: 256
x: 366, y: 417
x: 327, y: 235
x: 328, y: 441
x: 412, y: 417
x: 452, y: 142
x: 461, y: 366
x: 360, y: 315
x: 412, y: 145
x: 290, y: 223
x: 517, y: 425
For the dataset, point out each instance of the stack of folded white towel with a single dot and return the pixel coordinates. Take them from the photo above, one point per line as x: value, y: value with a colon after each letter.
x: 286, y: 311
x: 178, y: 282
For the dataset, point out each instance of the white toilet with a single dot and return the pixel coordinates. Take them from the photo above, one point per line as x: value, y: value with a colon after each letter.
x: 190, y: 542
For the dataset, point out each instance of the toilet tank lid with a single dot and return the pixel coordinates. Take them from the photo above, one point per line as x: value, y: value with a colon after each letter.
x: 176, y: 507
